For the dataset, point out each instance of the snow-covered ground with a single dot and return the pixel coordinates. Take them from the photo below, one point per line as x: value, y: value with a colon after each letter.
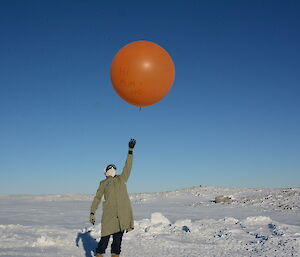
x: 180, y: 223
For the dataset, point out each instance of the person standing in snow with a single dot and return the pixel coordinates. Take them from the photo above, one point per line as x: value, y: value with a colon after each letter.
x: 117, y: 214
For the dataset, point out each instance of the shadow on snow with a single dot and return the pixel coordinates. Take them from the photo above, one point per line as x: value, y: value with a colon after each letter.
x: 88, y: 242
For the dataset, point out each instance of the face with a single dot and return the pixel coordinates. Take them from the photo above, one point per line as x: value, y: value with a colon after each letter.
x: 110, y: 172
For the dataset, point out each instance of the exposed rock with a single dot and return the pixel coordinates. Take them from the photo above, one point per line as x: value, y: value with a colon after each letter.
x: 222, y: 199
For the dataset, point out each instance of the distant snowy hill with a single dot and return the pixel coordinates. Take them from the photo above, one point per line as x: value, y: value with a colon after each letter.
x: 181, y: 223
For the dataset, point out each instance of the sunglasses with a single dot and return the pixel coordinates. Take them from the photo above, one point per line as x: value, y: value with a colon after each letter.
x: 111, y: 166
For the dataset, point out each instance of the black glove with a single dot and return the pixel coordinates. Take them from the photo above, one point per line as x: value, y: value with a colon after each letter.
x: 131, y: 143
x: 92, y: 218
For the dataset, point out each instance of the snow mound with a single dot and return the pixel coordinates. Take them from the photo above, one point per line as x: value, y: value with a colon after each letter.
x: 183, y: 222
x: 44, y: 241
x: 259, y: 220
x: 157, y: 218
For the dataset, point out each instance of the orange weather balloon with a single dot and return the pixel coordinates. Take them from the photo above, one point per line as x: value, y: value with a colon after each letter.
x: 142, y: 73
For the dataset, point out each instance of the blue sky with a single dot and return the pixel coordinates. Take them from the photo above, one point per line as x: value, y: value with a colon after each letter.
x: 230, y: 119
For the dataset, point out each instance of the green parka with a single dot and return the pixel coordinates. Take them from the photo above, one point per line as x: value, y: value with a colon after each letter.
x: 117, y: 211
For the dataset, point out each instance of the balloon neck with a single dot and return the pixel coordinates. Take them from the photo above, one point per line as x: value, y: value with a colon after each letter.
x: 140, y: 109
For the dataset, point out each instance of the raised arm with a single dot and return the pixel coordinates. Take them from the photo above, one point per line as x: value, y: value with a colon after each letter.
x: 128, y: 164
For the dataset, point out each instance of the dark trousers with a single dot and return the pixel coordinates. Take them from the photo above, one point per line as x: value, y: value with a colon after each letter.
x: 115, y: 246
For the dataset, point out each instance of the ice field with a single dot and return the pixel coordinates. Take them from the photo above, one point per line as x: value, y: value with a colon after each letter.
x: 179, y: 223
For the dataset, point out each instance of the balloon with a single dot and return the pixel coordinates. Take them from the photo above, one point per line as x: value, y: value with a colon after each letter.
x: 142, y: 73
